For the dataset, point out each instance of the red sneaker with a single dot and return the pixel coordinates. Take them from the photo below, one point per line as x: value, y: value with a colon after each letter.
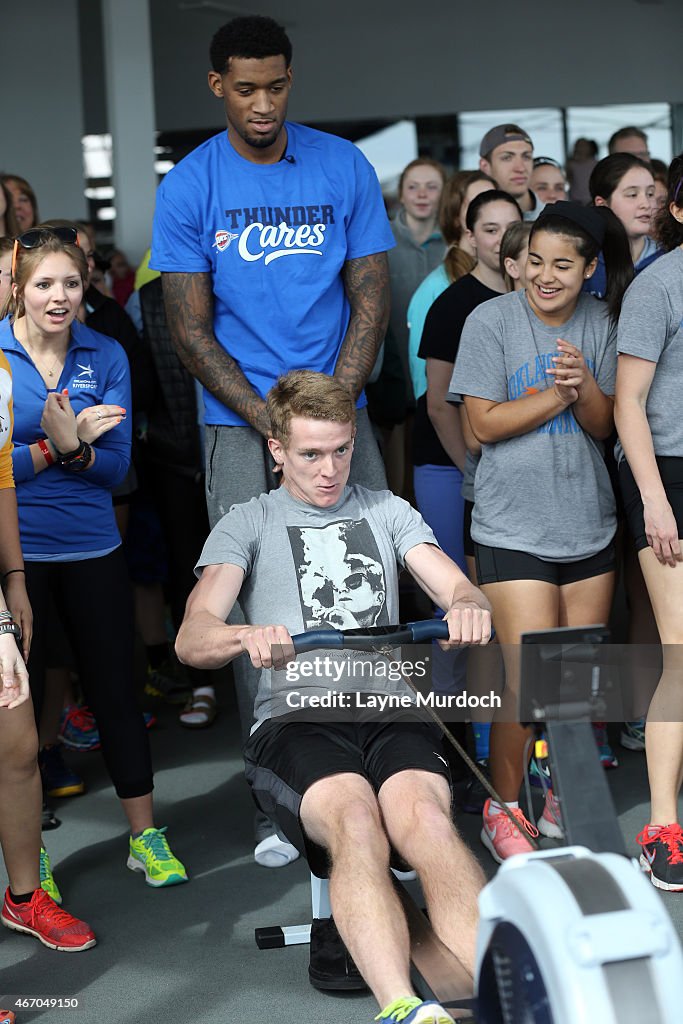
x: 503, y: 839
x: 7, y: 1017
x: 42, y: 918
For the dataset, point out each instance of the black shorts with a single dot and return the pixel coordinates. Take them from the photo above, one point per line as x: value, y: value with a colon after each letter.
x: 498, y: 565
x: 468, y: 543
x: 282, y: 759
x: 671, y: 472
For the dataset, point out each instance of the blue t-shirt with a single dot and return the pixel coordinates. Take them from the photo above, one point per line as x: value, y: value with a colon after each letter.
x: 275, y: 238
x: 63, y: 513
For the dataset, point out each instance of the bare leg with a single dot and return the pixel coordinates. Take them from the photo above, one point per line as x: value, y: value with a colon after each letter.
x: 643, y: 636
x: 139, y: 811
x: 20, y: 798
x: 518, y: 606
x: 416, y: 806
x: 341, y: 813
x: 664, y: 729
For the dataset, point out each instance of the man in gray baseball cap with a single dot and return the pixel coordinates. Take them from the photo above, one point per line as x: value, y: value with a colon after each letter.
x: 507, y: 154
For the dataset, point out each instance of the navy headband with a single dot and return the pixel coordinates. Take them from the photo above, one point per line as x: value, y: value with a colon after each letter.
x: 585, y: 217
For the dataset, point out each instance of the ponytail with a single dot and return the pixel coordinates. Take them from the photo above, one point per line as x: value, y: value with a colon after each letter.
x: 618, y: 261
x: 457, y: 263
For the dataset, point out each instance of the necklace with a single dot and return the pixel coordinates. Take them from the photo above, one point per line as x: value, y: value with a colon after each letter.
x: 43, y: 370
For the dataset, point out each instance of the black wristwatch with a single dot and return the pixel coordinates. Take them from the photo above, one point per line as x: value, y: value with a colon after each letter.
x: 8, y: 625
x: 77, y: 460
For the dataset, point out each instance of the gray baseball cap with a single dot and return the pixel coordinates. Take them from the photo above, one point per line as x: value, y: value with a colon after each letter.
x: 501, y: 134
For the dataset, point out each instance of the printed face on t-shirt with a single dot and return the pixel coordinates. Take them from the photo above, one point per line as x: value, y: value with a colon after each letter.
x: 255, y: 94
x: 340, y: 575
x: 316, y: 461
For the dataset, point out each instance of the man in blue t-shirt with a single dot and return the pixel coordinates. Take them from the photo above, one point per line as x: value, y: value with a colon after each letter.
x: 271, y: 239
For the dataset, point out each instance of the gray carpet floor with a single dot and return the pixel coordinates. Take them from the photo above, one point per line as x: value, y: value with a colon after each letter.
x: 188, y: 953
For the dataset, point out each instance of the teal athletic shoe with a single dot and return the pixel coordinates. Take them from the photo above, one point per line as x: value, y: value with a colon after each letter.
x: 633, y: 735
x: 411, y: 1010
x: 47, y: 881
x: 151, y: 854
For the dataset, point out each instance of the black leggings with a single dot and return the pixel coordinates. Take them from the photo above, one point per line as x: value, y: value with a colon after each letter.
x: 93, y: 600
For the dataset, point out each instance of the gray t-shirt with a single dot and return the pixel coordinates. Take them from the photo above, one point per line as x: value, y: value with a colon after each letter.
x: 547, y: 492
x: 651, y: 327
x: 308, y: 568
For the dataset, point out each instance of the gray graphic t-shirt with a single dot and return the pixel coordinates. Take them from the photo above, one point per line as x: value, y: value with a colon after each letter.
x: 651, y: 327
x: 309, y: 568
x: 546, y: 492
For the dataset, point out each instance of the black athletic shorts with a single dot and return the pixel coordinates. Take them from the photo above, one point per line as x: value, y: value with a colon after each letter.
x: 468, y: 543
x: 671, y: 471
x: 282, y: 759
x: 498, y: 565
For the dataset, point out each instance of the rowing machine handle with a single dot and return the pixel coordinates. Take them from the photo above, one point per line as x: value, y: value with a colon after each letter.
x: 369, y: 639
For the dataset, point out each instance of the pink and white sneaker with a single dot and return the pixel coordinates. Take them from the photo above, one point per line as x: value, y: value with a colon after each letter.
x: 550, y: 822
x: 503, y: 839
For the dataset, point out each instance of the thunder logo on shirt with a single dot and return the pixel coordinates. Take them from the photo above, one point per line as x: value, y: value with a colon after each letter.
x: 275, y: 231
x: 532, y: 377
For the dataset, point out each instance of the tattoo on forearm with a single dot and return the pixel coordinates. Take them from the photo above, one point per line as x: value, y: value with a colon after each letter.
x: 367, y: 286
x: 188, y: 301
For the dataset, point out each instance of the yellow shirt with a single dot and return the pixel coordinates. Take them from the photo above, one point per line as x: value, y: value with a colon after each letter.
x: 6, y: 423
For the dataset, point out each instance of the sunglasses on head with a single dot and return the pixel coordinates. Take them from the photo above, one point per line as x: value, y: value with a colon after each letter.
x: 36, y: 237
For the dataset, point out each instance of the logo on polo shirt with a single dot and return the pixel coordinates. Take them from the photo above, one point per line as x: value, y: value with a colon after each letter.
x: 84, y: 379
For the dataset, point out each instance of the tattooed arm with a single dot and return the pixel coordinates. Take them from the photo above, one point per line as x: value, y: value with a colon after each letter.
x: 189, y: 312
x: 367, y: 288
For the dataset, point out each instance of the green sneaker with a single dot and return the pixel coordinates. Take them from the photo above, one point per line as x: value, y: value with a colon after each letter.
x: 47, y: 882
x: 151, y: 853
x: 411, y: 1010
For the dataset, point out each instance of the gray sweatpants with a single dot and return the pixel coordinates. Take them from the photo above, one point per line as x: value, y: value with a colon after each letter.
x: 238, y: 468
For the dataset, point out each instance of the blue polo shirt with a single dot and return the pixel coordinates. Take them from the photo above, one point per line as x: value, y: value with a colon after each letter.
x: 275, y: 238
x: 63, y: 514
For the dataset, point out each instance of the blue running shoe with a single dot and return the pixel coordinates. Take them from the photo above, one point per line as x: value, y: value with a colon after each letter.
x: 78, y: 728
x: 411, y: 1010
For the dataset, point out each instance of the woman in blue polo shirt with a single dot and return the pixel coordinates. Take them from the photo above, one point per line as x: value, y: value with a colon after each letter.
x: 29, y: 904
x: 72, y: 445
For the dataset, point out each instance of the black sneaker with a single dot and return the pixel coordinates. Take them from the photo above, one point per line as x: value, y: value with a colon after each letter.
x: 662, y: 856
x: 331, y: 968
x: 169, y: 682
x: 49, y: 821
x: 474, y: 795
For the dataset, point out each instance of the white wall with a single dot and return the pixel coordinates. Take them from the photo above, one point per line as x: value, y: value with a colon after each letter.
x: 40, y: 86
